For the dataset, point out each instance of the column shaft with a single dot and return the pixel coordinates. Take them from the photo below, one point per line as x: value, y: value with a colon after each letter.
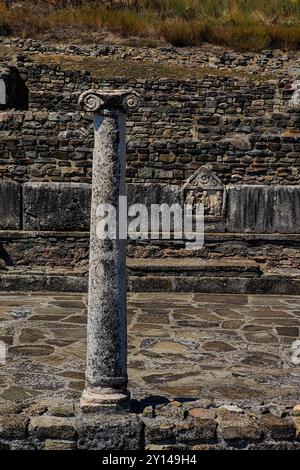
x: 107, y: 329
x: 106, y: 370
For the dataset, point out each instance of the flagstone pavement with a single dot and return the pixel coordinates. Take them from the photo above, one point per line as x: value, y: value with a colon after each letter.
x: 222, y: 347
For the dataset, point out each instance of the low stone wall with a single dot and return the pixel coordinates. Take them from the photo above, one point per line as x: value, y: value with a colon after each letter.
x: 66, y: 206
x: 47, y: 224
x: 235, y: 121
x: 191, y: 425
x: 215, y: 57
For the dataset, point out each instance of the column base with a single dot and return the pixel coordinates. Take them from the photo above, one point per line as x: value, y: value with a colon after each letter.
x: 93, y: 399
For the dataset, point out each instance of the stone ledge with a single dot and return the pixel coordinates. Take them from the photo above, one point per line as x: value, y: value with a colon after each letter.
x: 285, y: 283
x: 210, y: 236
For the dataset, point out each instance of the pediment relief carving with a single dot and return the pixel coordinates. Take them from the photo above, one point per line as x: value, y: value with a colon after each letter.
x: 204, y: 187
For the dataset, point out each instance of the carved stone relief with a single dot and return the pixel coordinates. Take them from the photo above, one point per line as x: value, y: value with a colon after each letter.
x: 204, y: 187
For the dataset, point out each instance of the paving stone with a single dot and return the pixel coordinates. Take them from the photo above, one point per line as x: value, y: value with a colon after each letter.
x: 7, y: 408
x: 31, y: 350
x: 261, y: 337
x: 288, y: 331
x: 35, y: 409
x: 218, y: 346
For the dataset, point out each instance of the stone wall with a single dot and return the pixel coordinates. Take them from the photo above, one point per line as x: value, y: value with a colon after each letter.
x: 191, y: 425
x: 242, y: 128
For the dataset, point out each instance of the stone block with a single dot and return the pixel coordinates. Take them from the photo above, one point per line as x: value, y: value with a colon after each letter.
x: 153, y: 193
x: 52, y: 427
x: 195, y: 430
x: 10, y: 205
x: 108, y: 431
x: 202, y: 413
x: 158, y: 429
x: 52, y: 444
x: 277, y: 428
x: 56, y: 206
x: 13, y: 427
x: 263, y: 209
x: 238, y: 427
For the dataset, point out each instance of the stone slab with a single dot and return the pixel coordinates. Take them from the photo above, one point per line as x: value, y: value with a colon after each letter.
x: 10, y: 205
x: 102, y: 431
x: 263, y: 209
x: 56, y: 206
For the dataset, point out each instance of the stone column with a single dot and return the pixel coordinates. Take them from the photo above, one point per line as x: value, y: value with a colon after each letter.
x: 106, y: 372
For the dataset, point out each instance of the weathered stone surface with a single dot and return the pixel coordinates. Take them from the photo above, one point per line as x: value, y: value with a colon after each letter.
x: 52, y: 444
x: 297, y: 426
x: 10, y: 205
x: 108, y: 431
x: 31, y: 350
x: 7, y: 408
x: 153, y: 193
x: 231, y: 408
x: 296, y: 410
x: 4, y: 446
x: 13, y: 427
x: 63, y: 408
x: 52, y: 427
x: 56, y: 206
x: 202, y: 413
x: 35, y: 409
x: 277, y: 428
x: 263, y: 209
x: 238, y: 427
x: 106, y: 370
x: 158, y: 429
x: 195, y: 430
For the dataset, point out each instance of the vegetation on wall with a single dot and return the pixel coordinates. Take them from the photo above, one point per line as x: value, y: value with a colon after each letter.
x: 242, y: 24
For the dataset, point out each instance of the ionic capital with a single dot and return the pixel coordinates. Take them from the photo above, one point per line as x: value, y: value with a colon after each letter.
x: 96, y: 101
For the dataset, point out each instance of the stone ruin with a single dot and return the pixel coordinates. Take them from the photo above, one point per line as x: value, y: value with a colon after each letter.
x: 251, y: 202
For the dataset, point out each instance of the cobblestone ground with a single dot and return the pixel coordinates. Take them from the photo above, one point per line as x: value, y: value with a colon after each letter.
x: 223, y: 347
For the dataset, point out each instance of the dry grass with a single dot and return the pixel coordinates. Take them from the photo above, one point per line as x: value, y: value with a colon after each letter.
x: 180, y: 32
x: 246, y: 38
x: 242, y: 24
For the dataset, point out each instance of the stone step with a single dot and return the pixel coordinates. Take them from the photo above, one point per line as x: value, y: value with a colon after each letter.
x: 192, y: 267
x: 169, y: 275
